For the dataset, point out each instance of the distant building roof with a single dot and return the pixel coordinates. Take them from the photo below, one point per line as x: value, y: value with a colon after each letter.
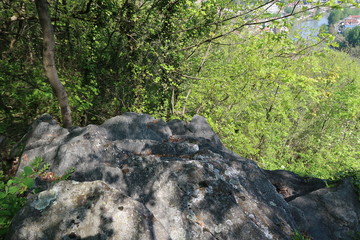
x: 353, y: 20
x: 353, y: 16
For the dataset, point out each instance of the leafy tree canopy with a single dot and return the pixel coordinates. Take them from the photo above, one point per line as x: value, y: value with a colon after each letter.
x: 353, y: 36
x: 274, y: 101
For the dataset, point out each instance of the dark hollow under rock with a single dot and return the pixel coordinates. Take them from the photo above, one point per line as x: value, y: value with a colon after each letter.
x: 178, y: 182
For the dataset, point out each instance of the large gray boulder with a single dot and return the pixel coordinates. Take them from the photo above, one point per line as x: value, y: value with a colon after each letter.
x: 171, y: 180
x: 88, y: 210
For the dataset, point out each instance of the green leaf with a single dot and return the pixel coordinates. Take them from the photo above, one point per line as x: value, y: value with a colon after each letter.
x: 10, y: 182
x: 3, y: 195
x: 36, y: 162
x: 13, y: 190
x: 28, y: 171
x: 29, y: 182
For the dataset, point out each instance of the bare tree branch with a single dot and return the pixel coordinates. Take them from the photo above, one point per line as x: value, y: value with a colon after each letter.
x: 249, y: 23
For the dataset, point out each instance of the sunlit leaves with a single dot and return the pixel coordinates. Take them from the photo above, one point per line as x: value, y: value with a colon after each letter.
x: 283, y: 110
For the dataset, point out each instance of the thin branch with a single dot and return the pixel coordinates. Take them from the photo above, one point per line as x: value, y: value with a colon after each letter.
x: 186, y: 99
x: 190, y: 77
x: 225, y: 20
x: 248, y: 24
x: 301, y: 50
x: 108, y: 41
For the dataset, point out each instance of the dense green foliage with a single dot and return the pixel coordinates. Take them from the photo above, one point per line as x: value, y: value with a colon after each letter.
x: 352, y: 36
x: 112, y: 56
x: 280, y: 105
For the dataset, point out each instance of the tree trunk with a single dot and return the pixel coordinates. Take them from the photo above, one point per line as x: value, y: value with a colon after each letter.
x: 49, y: 61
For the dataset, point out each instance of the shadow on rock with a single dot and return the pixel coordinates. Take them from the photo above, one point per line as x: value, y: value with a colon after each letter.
x: 137, y: 177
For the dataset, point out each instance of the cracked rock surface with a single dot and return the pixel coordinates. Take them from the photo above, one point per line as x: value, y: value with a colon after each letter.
x: 141, y: 178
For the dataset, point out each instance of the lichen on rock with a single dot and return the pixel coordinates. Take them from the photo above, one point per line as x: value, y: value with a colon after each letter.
x: 44, y: 199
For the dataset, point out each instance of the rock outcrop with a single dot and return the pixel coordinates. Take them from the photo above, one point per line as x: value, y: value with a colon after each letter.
x: 141, y: 178
x: 319, y: 211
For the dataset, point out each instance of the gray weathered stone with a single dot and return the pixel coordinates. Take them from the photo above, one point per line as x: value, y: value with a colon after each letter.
x: 319, y: 211
x: 178, y: 172
x: 87, y: 210
x: 330, y: 213
x: 291, y: 185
